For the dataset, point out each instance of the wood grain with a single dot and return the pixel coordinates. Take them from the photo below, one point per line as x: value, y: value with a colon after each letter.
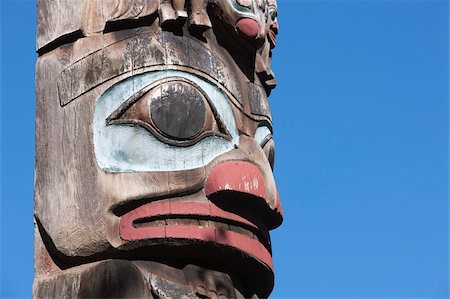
x: 88, y: 49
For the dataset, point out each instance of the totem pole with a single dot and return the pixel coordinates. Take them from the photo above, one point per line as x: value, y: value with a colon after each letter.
x: 154, y: 149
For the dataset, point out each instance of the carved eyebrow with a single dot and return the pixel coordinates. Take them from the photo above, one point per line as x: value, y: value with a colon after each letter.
x: 73, y: 82
x: 71, y: 85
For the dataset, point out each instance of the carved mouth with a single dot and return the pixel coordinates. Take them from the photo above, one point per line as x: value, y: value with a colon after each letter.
x: 199, y: 222
x: 203, y: 222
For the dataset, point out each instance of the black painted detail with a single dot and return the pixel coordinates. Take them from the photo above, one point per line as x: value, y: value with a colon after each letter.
x: 179, y: 112
x: 174, y: 110
x: 268, y: 147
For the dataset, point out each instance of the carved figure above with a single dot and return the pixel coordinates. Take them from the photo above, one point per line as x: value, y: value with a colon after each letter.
x: 241, y: 25
x: 154, y: 149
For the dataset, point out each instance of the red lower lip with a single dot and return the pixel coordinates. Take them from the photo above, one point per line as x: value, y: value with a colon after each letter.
x: 128, y: 231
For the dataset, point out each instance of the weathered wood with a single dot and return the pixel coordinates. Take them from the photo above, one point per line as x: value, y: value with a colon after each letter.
x: 154, y: 149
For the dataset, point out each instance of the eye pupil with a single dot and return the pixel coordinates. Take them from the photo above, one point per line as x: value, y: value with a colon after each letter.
x: 273, y: 15
x: 180, y: 111
x: 174, y: 110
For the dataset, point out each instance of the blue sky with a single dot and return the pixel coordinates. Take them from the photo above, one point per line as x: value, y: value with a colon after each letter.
x: 361, y: 129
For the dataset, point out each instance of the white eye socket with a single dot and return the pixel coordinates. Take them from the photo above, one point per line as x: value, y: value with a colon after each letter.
x: 263, y: 136
x: 174, y: 110
x: 129, y: 138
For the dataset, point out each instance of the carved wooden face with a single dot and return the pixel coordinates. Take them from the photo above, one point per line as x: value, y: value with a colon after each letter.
x: 243, y: 22
x: 159, y: 148
x: 272, y: 22
x: 183, y: 131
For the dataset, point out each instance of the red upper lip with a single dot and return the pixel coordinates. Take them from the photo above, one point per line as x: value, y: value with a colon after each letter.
x: 174, y: 209
x: 239, y: 212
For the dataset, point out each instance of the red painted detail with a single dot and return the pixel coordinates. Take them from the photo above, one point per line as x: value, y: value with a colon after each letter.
x: 128, y: 231
x: 224, y: 237
x: 126, y: 227
x: 219, y: 213
x: 238, y: 241
x: 248, y: 27
x: 237, y: 176
x: 245, y: 244
x: 189, y: 208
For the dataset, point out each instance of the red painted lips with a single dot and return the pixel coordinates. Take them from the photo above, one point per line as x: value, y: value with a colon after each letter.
x: 137, y: 225
x: 205, y: 221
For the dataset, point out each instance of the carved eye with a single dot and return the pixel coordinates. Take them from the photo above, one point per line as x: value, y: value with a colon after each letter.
x: 273, y: 13
x: 176, y: 111
x: 263, y: 135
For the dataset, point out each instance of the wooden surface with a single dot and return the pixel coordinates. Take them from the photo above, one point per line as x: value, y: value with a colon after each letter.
x: 147, y: 103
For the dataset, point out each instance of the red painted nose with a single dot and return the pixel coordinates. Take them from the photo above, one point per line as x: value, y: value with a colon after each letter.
x: 236, y: 176
x: 248, y: 27
x: 245, y: 178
